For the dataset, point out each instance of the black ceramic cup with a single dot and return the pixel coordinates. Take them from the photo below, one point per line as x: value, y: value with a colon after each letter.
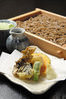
x: 4, y: 33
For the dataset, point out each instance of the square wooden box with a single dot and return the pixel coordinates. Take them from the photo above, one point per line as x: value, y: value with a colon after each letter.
x: 45, y: 45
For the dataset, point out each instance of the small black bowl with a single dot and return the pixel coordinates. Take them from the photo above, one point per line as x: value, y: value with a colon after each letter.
x: 4, y: 33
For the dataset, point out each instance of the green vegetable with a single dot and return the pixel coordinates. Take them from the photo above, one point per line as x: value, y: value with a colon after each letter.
x: 37, y: 68
x: 11, y: 25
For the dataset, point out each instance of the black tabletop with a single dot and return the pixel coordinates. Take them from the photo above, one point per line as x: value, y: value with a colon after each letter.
x: 11, y: 8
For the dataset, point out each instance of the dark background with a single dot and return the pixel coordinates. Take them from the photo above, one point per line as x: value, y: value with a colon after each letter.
x: 11, y: 8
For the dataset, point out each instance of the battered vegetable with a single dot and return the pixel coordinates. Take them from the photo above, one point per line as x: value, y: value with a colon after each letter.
x: 32, y: 65
x: 37, y: 68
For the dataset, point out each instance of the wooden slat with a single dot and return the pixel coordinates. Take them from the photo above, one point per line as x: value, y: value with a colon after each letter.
x: 24, y: 16
x: 49, y: 47
x: 51, y: 14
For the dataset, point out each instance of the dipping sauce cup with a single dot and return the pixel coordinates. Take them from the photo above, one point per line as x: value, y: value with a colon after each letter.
x: 5, y: 26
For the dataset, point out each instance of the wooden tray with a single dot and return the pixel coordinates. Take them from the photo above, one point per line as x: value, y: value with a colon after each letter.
x: 45, y: 45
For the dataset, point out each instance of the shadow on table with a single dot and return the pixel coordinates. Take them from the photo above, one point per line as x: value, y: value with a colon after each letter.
x: 22, y: 91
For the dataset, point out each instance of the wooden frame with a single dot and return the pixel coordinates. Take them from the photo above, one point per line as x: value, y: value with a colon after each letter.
x: 45, y: 45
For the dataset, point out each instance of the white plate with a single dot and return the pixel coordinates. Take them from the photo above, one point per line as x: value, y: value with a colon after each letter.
x: 6, y: 68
